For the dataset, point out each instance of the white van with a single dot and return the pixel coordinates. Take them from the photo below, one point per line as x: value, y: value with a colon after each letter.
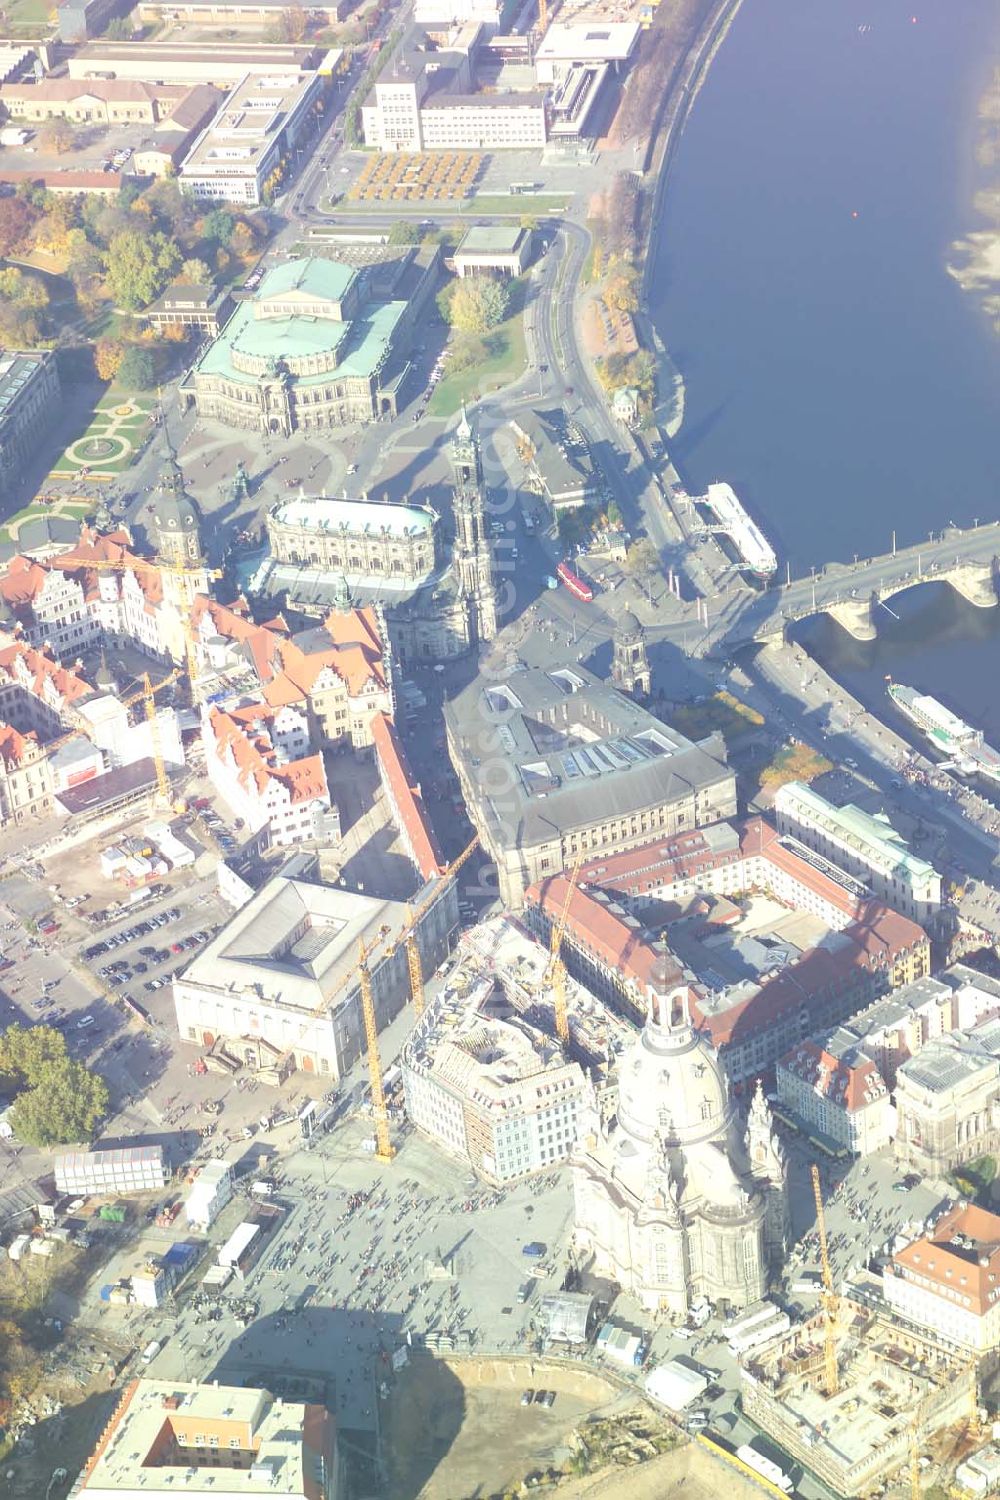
x: 150, y: 1352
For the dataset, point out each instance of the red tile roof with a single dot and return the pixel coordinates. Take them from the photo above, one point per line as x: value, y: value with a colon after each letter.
x: 244, y: 733
x: 24, y: 577
x: 848, y: 1085
x: 601, y: 929
x: 14, y: 746
x: 287, y: 672
x: 689, y: 855
x: 21, y: 663
x: 969, y: 1269
x: 873, y: 943
x: 406, y: 798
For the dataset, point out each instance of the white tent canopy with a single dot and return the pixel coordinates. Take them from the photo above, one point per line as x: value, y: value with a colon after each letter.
x: 675, y: 1385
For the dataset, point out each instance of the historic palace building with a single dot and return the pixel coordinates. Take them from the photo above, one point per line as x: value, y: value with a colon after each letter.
x: 438, y: 593
x: 310, y: 351
x: 355, y: 538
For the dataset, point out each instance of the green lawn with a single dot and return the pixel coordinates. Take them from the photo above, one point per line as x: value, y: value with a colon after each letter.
x: 498, y: 205
x: 496, y: 370
x: 133, y: 430
x: 75, y: 509
x: 34, y: 15
x: 528, y: 206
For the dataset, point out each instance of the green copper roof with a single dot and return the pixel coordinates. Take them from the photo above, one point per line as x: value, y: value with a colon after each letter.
x: 362, y: 344
x: 320, y: 278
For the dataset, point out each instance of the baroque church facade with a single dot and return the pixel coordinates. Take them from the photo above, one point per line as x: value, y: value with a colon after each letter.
x: 676, y: 1198
x: 446, y: 612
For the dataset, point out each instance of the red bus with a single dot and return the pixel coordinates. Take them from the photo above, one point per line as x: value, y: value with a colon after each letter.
x: 575, y: 584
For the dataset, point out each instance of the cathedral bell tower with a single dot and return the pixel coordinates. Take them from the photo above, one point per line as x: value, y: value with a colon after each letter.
x: 630, y: 670
x: 473, y: 557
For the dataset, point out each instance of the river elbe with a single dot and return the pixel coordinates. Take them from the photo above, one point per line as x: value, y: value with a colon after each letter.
x: 835, y: 372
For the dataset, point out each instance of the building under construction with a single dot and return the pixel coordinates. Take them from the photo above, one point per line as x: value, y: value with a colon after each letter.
x: 484, y: 1073
x: 893, y: 1391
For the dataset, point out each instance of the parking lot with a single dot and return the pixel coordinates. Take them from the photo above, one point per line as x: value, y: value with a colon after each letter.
x: 93, y: 145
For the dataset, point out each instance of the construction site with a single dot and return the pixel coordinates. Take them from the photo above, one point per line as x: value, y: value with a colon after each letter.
x: 896, y: 1394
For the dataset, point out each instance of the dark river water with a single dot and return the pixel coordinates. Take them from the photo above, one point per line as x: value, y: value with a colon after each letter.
x: 835, y: 372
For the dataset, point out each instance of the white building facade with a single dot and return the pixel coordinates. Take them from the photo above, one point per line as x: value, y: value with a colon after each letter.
x: 865, y: 845
x: 674, y: 1200
x: 497, y: 1094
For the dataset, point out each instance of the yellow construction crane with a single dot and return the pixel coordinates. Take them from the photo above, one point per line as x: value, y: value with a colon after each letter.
x: 408, y: 936
x: 416, y: 969
x: 383, y: 1145
x: 361, y: 972
x: 830, y: 1302
x: 142, y: 696
x: 156, y: 743
x: 557, y: 969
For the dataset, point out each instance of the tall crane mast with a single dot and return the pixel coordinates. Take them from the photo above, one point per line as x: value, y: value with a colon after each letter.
x: 383, y: 1145
x: 830, y: 1303
x: 162, y: 781
x: 361, y: 972
x: 557, y: 969
x: 416, y: 973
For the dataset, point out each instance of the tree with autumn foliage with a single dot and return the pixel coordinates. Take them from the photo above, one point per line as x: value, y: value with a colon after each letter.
x: 108, y: 355
x: 17, y: 219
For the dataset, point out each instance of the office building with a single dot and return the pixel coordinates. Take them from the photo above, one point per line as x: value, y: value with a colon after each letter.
x: 426, y: 100
x: 948, y: 1100
x: 948, y: 1281
x: 557, y: 460
x: 191, y: 62
x: 29, y: 400
x: 485, y: 250
x: 864, y: 845
x: 556, y: 765
x: 240, y: 158
x: 219, y: 1440
x: 496, y: 1093
x: 277, y: 988
x: 235, y: 15
x: 839, y: 1084
x: 184, y: 305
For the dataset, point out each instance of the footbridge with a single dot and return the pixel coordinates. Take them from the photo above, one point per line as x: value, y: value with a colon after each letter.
x: 855, y: 594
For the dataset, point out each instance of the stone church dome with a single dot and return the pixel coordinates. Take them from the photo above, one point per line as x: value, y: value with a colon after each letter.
x: 670, y: 1082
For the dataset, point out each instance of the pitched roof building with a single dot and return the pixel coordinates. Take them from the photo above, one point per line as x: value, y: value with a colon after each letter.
x: 584, y: 769
x: 948, y: 1281
x: 338, y: 673
x: 406, y: 800
x: 258, y: 760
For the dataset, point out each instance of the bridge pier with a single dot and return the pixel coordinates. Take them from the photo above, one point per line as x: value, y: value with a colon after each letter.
x: 856, y: 617
x: 977, y: 583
